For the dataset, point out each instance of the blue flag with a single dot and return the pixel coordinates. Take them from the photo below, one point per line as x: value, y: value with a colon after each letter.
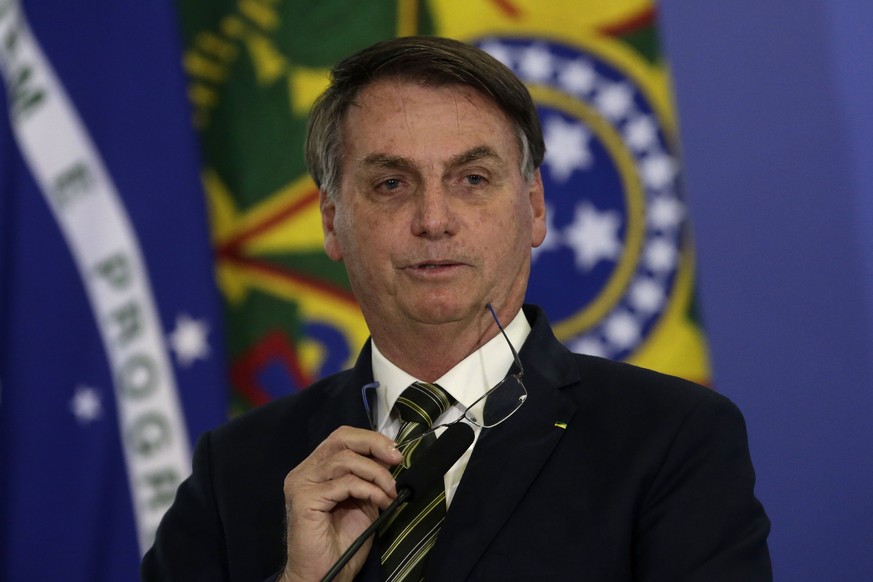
x: 110, y: 343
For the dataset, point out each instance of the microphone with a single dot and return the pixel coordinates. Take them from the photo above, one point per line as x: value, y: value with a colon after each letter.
x: 432, y: 465
x: 436, y: 460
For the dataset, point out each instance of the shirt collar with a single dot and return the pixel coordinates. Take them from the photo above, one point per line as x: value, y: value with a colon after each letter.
x: 466, y: 382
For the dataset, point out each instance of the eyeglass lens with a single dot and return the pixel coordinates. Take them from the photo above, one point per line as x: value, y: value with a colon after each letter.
x: 499, y: 403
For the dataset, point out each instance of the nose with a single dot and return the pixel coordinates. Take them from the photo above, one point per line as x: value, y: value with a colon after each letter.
x: 435, y: 215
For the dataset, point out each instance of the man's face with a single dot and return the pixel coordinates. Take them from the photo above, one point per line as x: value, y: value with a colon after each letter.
x: 433, y: 217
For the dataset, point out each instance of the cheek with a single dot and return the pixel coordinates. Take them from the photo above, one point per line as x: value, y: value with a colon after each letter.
x: 349, y: 238
x: 511, y: 227
x: 499, y: 239
x: 365, y: 248
x: 513, y: 237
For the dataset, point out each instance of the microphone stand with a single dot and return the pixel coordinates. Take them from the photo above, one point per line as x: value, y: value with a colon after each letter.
x: 402, y: 496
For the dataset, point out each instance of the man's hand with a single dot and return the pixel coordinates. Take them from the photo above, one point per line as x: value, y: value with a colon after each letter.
x: 332, y: 497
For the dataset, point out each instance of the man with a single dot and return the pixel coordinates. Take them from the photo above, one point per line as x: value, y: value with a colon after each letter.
x: 426, y: 152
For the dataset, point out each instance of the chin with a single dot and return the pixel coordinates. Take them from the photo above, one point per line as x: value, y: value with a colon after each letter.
x: 435, y: 310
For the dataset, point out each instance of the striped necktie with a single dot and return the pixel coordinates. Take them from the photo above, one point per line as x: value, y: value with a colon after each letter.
x: 406, y: 538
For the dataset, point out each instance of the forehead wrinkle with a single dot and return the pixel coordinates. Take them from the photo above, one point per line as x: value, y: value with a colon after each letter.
x: 474, y: 154
x: 387, y: 161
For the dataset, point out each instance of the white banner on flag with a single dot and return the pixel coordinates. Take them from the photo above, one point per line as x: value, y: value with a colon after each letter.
x: 86, y: 205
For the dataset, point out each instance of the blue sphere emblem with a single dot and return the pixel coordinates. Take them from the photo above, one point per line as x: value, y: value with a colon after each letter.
x: 617, y: 220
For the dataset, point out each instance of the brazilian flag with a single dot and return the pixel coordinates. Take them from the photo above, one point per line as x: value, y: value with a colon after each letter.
x: 616, y: 272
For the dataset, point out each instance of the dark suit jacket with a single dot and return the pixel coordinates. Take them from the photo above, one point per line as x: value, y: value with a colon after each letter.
x: 650, y: 481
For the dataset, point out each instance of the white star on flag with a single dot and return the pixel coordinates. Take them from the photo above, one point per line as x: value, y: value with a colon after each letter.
x: 86, y: 405
x: 536, y: 64
x: 577, y: 77
x: 661, y: 255
x: 566, y: 147
x: 641, y: 133
x: 589, y: 346
x: 622, y: 330
x: 188, y: 340
x: 658, y: 171
x: 665, y: 213
x: 499, y: 51
x: 615, y: 101
x: 593, y: 235
x: 646, y: 296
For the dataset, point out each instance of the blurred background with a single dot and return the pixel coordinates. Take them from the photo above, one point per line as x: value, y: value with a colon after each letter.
x: 710, y: 194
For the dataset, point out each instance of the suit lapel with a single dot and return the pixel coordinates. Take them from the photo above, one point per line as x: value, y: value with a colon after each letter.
x: 344, y: 404
x: 507, y: 458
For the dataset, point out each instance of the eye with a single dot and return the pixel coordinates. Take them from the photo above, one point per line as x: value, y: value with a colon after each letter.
x: 475, y: 179
x: 391, y: 184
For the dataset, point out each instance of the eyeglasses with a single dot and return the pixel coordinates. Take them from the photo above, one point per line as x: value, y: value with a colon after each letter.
x: 497, y: 404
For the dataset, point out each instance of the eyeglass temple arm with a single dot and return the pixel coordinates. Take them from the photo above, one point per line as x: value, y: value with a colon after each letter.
x: 511, y: 347
x: 368, y: 395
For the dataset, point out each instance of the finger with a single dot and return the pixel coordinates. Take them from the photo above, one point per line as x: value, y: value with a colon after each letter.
x: 364, y: 442
x: 347, y: 462
x: 314, y: 504
x: 336, y: 491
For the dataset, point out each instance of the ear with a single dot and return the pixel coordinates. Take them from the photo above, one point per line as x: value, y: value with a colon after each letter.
x: 328, y: 217
x: 538, y: 210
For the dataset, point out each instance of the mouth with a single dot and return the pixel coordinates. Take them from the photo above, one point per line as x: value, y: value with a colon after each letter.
x: 435, y: 264
x: 434, y: 267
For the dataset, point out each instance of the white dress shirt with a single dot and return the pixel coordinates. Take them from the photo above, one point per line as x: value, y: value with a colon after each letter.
x: 467, y: 381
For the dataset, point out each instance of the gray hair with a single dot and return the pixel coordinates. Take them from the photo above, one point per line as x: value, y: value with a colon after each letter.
x: 431, y: 61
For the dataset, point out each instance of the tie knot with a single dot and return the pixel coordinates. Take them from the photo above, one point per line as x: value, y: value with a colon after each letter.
x: 423, y: 403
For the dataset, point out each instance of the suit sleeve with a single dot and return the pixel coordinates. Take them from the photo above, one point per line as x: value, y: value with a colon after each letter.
x: 700, y: 520
x: 189, y: 543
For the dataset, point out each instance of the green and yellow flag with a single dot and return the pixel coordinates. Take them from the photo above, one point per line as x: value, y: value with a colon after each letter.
x: 616, y: 272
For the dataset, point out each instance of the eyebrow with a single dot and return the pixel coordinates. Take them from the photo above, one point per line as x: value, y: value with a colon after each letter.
x: 401, y: 162
x: 387, y: 161
x: 473, y: 155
